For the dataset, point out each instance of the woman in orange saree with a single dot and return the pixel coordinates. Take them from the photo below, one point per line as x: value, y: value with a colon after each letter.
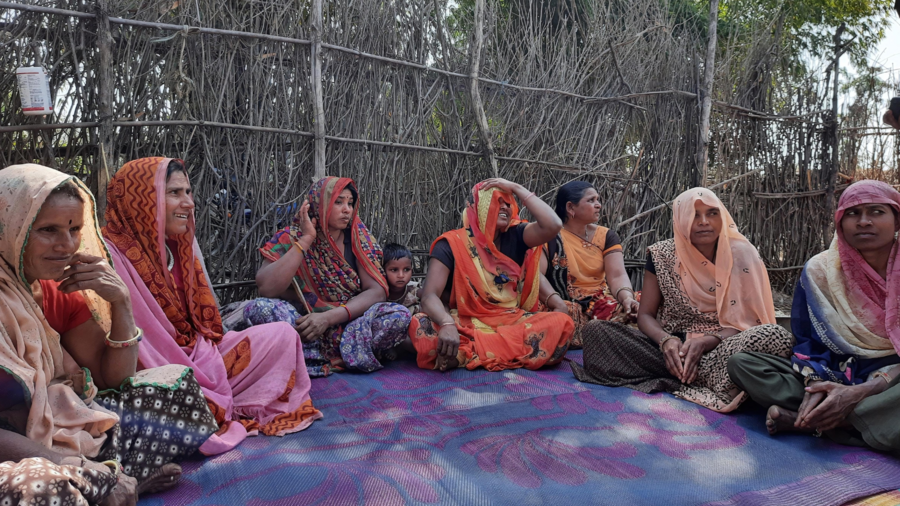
x: 491, y: 316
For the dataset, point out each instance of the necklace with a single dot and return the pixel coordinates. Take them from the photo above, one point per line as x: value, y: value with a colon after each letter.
x: 398, y: 299
x: 584, y: 237
x: 170, y: 259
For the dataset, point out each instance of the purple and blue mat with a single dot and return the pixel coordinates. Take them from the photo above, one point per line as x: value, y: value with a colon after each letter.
x: 408, y: 436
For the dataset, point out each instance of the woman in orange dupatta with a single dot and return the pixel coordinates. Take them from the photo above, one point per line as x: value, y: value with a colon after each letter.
x: 254, y: 380
x: 495, y: 289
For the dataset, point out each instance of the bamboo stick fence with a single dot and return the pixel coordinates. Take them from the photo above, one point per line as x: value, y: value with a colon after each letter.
x: 417, y: 101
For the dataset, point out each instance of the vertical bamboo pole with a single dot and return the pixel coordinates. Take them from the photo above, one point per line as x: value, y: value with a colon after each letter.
x: 832, y: 168
x: 315, y: 65
x: 705, y: 94
x: 477, y: 105
x: 106, y: 84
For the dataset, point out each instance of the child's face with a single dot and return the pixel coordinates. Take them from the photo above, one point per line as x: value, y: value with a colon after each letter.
x: 399, y: 272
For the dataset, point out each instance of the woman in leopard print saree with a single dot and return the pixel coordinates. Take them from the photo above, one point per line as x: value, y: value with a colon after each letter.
x: 706, y: 296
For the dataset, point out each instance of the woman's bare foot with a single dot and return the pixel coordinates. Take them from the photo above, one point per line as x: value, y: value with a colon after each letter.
x: 443, y: 363
x: 779, y: 419
x: 164, y: 478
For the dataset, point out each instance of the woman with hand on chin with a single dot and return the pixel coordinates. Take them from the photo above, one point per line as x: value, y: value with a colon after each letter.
x: 843, y: 377
x: 324, y: 273
x: 67, y: 332
x: 483, y: 289
x: 585, y: 263
x: 706, y: 296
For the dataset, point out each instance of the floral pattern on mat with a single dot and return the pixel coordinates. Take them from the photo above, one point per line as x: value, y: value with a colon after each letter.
x: 410, y: 436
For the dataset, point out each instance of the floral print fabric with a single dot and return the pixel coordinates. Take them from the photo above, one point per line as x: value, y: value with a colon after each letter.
x: 359, y: 346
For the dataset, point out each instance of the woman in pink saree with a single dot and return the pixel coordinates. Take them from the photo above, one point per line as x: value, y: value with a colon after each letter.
x: 255, y: 381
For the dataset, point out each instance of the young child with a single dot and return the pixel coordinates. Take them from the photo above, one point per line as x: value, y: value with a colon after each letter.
x: 398, y: 268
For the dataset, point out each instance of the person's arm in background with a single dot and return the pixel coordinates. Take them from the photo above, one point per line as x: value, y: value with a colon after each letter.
x: 889, y: 119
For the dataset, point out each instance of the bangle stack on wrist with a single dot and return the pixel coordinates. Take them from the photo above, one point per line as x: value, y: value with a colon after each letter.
x: 138, y: 336
x: 662, y: 341
x: 627, y: 288
x: 547, y: 300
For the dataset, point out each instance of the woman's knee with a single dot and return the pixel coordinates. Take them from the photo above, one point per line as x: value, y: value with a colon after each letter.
x: 740, y: 365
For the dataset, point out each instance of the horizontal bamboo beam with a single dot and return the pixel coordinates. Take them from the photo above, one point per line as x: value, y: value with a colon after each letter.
x: 790, y: 195
x: 665, y: 205
x: 150, y: 24
x: 285, y: 131
x: 427, y: 68
x: 780, y: 269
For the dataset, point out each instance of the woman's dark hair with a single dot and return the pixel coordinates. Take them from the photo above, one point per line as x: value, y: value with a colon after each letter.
x: 394, y: 251
x: 573, y: 191
x: 353, y: 191
x: 69, y: 189
x: 175, y: 165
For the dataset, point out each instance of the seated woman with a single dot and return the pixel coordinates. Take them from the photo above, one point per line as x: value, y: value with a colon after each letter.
x: 706, y: 296
x: 484, y: 286
x: 845, y: 319
x: 67, y: 331
x: 254, y: 380
x: 327, y: 268
x: 585, y: 263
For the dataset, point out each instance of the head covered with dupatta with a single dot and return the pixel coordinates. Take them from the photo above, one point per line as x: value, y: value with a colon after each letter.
x: 503, y: 280
x: 325, y: 277
x: 737, y: 285
x: 136, y: 224
x: 30, y: 350
x: 861, y: 310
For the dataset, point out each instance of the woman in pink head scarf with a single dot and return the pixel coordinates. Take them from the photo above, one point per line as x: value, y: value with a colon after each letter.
x: 843, y: 375
x: 706, y: 296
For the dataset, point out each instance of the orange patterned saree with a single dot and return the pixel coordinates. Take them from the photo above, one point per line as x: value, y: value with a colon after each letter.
x: 494, y: 301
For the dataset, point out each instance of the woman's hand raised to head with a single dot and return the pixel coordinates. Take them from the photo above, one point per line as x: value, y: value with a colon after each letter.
x: 88, y: 272
x: 501, y: 184
x: 546, y: 223
x: 307, y: 225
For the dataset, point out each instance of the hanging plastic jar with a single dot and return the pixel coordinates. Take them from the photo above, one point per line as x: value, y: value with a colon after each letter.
x: 34, y: 91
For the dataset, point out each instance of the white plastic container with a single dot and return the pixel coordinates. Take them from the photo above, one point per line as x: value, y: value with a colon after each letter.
x: 34, y: 90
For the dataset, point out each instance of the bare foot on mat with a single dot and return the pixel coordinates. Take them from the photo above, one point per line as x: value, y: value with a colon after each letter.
x: 442, y: 363
x: 164, y: 478
x: 779, y: 419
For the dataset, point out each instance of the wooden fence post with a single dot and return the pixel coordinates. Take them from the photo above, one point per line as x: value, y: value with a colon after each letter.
x: 106, y: 84
x: 315, y: 66
x: 705, y: 94
x: 477, y: 105
x: 832, y: 167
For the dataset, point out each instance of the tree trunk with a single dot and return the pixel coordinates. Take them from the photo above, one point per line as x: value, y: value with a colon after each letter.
x: 315, y: 63
x: 106, y: 83
x: 705, y: 94
x: 832, y: 167
x: 477, y: 104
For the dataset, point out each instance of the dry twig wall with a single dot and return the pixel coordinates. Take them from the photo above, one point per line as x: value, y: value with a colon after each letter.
x: 258, y: 96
